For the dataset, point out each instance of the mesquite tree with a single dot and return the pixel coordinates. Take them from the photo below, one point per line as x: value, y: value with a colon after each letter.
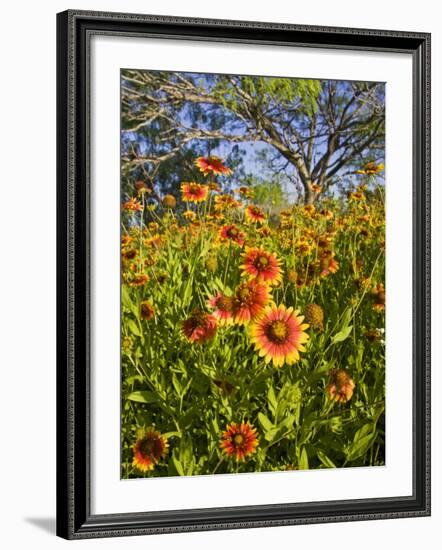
x: 321, y: 130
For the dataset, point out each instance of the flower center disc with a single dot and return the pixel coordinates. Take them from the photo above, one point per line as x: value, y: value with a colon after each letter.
x: 245, y: 294
x: 261, y: 262
x: 238, y: 439
x: 147, y: 447
x: 278, y: 331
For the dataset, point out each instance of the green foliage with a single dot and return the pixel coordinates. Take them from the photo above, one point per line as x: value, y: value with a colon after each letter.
x: 269, y: 194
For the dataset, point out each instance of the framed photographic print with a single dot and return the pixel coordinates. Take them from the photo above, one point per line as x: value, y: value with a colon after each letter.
x: 243, y: 274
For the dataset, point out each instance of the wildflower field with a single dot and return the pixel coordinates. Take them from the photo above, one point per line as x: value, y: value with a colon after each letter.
x: 252, y: 334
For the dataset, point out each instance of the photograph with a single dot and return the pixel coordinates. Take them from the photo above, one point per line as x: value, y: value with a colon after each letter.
x: 226, y: 223
x: 252, y: 273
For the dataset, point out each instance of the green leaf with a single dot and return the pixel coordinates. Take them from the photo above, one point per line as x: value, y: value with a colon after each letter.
x: 361, y: 447
x: 265, y: 422
x: 326, y: 460
x: 215, y: 426
x: 135, y: 378
x: 178, y: 466
x: 133, y: 327
x: 271, y: 434
x: 143, y: 397
x: 176, y: 384
x: 342, y: 335
x: 187, y: 294
x: 346, y: 318
x: 273, y: 403
x: 171, y: 434
x: 303, y: 460
x: 125, y: 297
x: 287, y: 423
x: 363, y: 440
x: 366, y: 429
x: 127, y: 301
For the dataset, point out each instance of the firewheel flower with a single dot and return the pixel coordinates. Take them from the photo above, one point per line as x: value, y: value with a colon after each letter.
x: 328, y: 264
x: 142, y: 187
x: 149, y: 449
x: 249, y: 301
x: 212, y: 164
x: 194, y: 192
x: 225, y: 202
x: 147, y: 311
x: 199, y: 327
x: 222, y: 306
x: 279, y: 335
x: 254, y: 214
x: 261, y: 265
x: 231, y: 233
x: 239, y: 441
x: 316, y: 188
x: 189, y: 215
x: 341, y: 386
x: 246, y: 192
x: 139, y: 279
x: 378, y: 295
x: 371, y: 169
x: 133, y: 205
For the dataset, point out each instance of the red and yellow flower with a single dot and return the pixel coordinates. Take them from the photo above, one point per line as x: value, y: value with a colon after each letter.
x: 341, y: 386
x: 213, y: 186
x: 239, y: 441
x: 304, y: 247
x: 378, y: 294
x: 264, y: 231
x: 231, y: 233
x: 142, y: 187
x: 254, y: 214
x: 328, y: 214
x: 246, y: 192
x: 328, y: 264
x: 149, y: 449
x: 370, y: 169
x: 194, y: 192
x: 129, y: 253
x: 249, y: 301
x: 212, y: 165
x: 222, y: 306
x: 262, y: 266
x: 133, y: 205
x: 147, y: 311
x: 189, y: 215
x: 316, y: 188
x: 199, y: 327
x: 225, y: 202
x: 309, y: 210
x: 139, y: 279
x: 279, y: 335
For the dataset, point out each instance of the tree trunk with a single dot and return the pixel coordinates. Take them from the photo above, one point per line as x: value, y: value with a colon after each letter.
x: 309, y: 194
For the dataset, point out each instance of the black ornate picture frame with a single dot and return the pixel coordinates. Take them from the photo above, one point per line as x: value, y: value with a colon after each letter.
x: 74, y: 32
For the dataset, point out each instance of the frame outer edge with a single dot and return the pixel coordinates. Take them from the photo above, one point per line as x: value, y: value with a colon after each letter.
x: 63, y: 504
x: 236, y: 23
x: 72, y: 522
